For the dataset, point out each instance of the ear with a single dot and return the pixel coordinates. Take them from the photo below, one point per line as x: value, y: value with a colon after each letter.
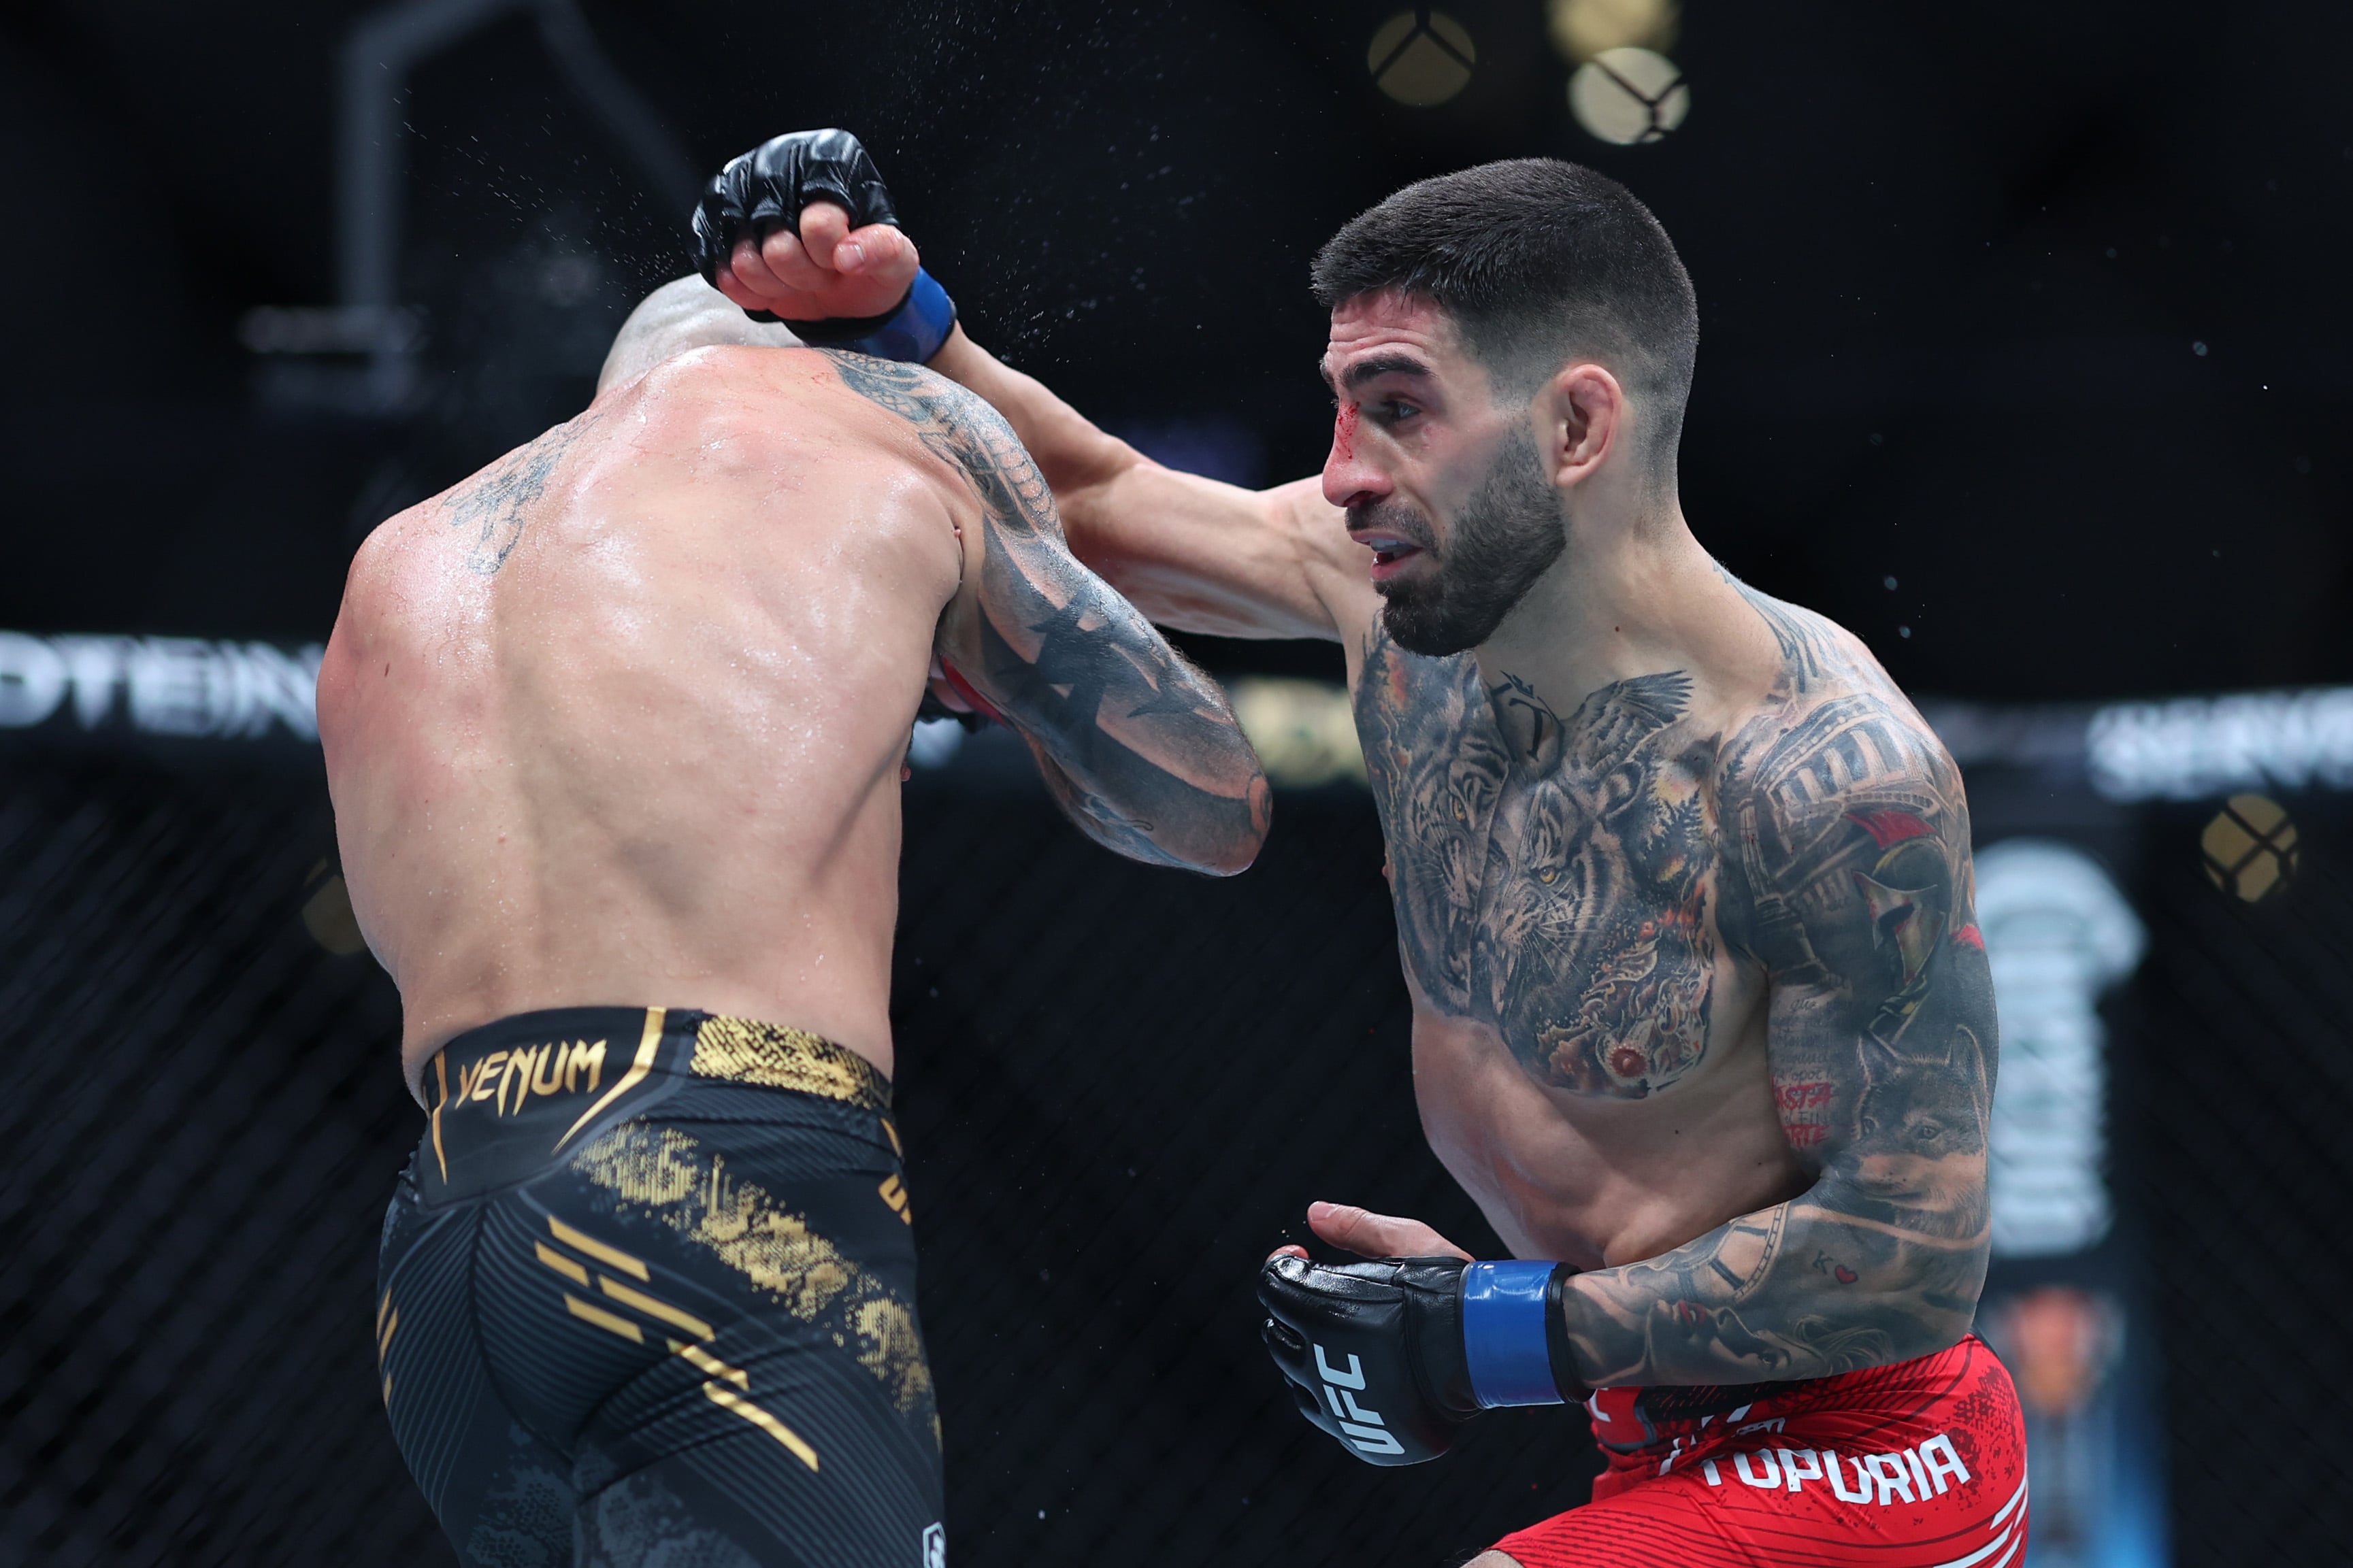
x: 1968, y: 1055
x: 1880, y: 1059
x: 1585, y: 413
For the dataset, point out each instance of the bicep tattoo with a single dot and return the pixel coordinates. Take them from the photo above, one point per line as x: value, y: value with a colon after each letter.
x: 1140, y: 749
x: 1846, y: 874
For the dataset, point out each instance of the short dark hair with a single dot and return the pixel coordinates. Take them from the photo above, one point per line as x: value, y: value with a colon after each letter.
x: 1537, y: 261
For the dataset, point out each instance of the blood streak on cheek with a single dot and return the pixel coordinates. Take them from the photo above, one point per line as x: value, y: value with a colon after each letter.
x: 1344, y: 432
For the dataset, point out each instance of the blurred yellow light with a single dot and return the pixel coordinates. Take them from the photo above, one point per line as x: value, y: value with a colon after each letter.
x: 2250, y: 847
x: 1629, y: 95
x: 1584, y: 28
x: 1421, y: 58
x: 1304, y: 730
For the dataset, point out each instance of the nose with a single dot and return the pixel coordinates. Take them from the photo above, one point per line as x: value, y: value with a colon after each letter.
x: 1349, y: 479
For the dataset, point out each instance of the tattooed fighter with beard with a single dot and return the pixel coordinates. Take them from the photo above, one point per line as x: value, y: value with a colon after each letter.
x: 1683, y: 891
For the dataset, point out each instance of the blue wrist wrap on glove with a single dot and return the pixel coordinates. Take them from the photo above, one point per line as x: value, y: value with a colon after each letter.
x: 1504, y: 1335
x: 915, y: 331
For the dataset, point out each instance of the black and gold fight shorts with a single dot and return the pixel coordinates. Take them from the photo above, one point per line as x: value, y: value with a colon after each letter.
x: 648, y: 1296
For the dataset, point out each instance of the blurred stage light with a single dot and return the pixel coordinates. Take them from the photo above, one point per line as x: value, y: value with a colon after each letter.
x: 2250, y: 847
x: 1629, y: 95
x: 1304, y: 730
x: 331, y: 329
x: 1584, y: 28
x: 1421, y: 57
x: 2061, y: 1344
x: 935, y: 742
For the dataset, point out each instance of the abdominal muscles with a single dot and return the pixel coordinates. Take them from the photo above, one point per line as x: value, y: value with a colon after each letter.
x: 1599, y: 1181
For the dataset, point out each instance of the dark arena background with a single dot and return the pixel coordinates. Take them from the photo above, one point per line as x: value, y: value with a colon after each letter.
x: 2026, y: 356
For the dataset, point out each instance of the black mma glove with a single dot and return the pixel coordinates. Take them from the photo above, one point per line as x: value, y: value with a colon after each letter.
x: 1391, y: 1358
x: 767, y: 187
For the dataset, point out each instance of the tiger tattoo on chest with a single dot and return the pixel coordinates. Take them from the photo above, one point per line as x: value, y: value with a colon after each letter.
x: 1554, y: 878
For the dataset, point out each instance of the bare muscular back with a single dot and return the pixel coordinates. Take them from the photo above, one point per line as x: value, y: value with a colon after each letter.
x: 620, y: 720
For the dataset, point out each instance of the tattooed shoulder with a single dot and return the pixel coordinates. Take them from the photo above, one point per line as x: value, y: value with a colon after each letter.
x: 960, y: 427
x: 488, y: 512
x: 1138, y: 747
x: 1835, y: 776
x: 1845, y: 874
x: 1810, y: 645
x: 1848, y: 878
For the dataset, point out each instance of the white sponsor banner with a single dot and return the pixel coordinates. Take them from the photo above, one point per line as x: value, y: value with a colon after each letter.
x: 2058, y: 933
x: 159, y: 686
x: 2194, y: 747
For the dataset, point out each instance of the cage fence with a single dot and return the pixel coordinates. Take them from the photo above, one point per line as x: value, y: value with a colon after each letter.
x: 1120, y: 1088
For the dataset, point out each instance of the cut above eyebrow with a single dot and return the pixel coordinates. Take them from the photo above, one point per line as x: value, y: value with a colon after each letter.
x: 1366, y: 370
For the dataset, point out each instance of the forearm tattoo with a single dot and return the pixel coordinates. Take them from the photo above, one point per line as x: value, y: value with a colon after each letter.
x: 1568, y: 882
x: 1140, y: 748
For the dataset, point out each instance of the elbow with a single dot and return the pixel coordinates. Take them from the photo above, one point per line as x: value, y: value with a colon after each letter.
x: 1938, y: 1307
x: 1223, y: 857
x: 1237, y: 833
x: 1951, y: 1301
x: 1243, y: 845
x: 1943, y: 1322
x: 1237, y: 856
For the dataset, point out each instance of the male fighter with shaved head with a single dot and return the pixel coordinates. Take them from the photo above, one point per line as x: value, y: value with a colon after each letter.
x: 615, y: 730
x: 1683, y: 888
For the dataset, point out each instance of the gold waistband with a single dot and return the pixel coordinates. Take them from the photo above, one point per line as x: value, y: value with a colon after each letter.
x: 745, y: 1050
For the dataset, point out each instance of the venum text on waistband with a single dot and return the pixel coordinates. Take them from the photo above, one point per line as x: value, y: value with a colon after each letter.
x: 558, y: 1066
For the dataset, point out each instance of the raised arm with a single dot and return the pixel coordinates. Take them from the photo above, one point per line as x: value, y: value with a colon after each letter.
x: 1191, y: 553
x: 800, y: 229
x: 1140, y: 748
x: 1848, y: 876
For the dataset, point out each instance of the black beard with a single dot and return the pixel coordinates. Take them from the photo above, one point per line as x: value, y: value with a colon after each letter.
x: 1509, y: 534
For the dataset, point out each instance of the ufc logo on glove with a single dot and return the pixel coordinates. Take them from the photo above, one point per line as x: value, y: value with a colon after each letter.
x: 1425, y: 1343
x: 1365, y: 1428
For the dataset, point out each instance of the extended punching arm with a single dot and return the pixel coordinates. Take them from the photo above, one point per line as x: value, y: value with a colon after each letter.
x: 1190, y: 552
x: 1140, y: 748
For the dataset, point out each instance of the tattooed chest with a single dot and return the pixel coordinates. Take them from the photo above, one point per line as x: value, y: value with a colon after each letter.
x: 1554, y: 878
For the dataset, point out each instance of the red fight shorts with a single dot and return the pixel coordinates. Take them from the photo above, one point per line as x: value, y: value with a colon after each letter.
x: 1917, y: 1464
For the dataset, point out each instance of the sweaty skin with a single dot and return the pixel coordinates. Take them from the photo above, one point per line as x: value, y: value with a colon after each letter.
x: 621, y: 720
x: 1682, y: 879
